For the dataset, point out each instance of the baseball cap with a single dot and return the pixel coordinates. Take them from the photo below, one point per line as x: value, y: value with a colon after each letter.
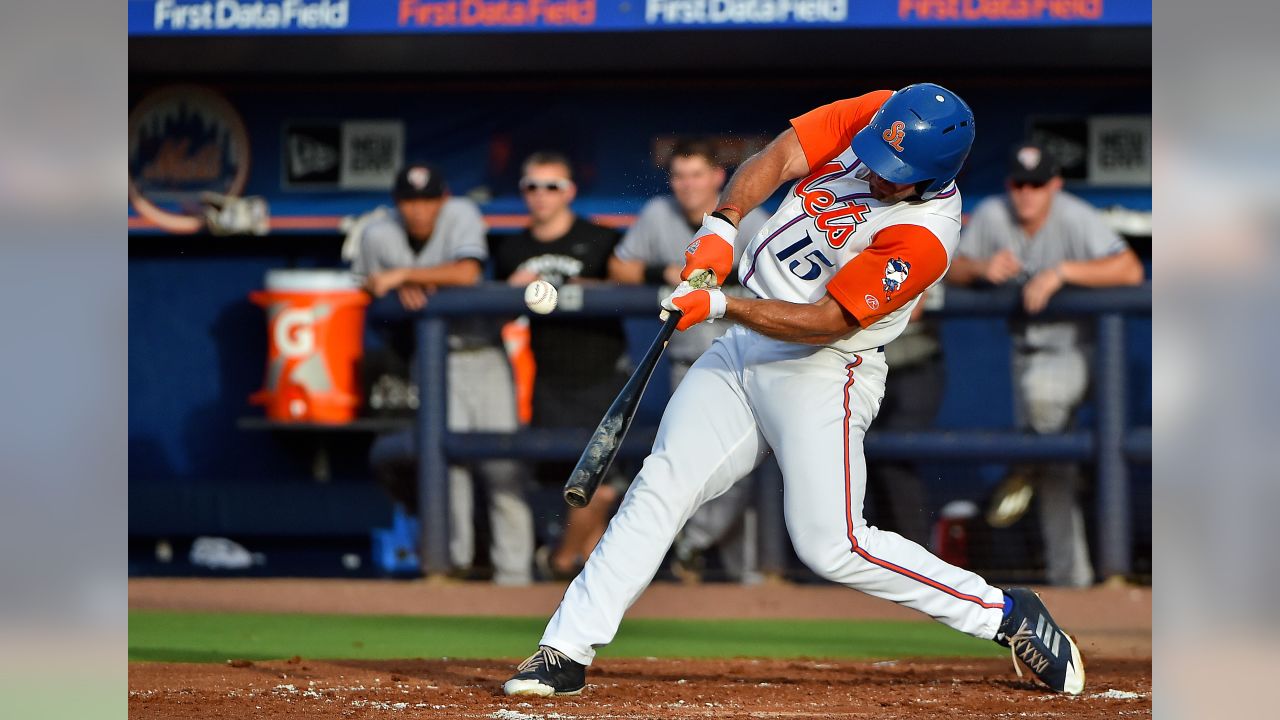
x: 418, y: 180
x: 1032, y: 163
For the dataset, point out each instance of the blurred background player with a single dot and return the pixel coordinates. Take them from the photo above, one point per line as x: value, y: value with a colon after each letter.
x: 1042, y: 237
x: 581, y: 362
x: 434, y: 240
x: 652, y: 253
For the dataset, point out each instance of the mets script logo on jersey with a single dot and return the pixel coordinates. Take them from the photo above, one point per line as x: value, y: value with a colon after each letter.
x: 894, y: 134
x: 895, y: 273
x: 837, y: 218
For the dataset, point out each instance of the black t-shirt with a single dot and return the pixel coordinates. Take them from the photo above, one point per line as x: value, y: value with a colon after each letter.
x: 567, y: 349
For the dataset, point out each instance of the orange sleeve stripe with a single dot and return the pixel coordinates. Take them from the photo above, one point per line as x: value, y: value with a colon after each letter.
x: 826, y: 131
x: 859, y: 287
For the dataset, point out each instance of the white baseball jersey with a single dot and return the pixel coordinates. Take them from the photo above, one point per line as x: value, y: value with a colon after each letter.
x: 830, y: 235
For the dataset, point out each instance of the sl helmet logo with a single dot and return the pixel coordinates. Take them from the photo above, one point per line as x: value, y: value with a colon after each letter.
x: 894, y: 135
x: 895, y: 273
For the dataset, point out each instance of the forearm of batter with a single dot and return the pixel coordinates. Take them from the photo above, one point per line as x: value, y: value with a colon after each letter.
x: 820, y: 323
x: 762, y: 173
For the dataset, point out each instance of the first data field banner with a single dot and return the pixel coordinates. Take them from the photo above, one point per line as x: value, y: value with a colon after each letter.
x: 302, y: 17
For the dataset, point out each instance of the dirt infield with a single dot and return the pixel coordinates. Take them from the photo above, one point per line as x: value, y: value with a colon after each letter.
x: 1113, y: 626
x: 630, y: 689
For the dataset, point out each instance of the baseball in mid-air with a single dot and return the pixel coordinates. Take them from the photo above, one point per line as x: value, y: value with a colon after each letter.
x: 540, y: 296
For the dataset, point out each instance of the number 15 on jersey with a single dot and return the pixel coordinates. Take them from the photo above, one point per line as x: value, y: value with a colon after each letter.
x: 815, y: 259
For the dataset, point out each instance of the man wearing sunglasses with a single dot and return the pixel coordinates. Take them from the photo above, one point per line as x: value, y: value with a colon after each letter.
x: 581, y: 362
x: 1043, y: 238
x: 869, y: 221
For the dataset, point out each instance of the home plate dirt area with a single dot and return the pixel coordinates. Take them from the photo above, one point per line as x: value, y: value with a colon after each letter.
x: 630, y: 688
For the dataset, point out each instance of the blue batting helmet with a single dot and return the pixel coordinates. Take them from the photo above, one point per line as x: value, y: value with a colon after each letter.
x: 923, y: 132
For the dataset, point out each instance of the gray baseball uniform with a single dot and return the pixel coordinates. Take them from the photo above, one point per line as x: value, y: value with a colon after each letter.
x: 481, y: 392
x: 459, y: 234
x: 659, y: 237
x: 1073, y: 231
x: 1049, y: 357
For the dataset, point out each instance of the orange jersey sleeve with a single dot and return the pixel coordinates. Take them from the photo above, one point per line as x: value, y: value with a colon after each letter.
x: 901, y: 262
x: 825, y: 132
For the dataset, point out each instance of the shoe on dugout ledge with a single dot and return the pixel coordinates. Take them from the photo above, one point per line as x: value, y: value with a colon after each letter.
x: 547, y: 672
x: 1034, y: 638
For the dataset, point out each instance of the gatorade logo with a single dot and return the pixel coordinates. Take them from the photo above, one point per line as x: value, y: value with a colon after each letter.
x: 295, y: 333
x: 895, y: 134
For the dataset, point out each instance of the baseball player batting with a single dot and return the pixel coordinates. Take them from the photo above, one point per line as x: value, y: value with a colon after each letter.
x: 871, y: 223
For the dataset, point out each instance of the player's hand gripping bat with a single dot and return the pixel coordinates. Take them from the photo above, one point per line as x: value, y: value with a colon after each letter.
x: 605, y: 441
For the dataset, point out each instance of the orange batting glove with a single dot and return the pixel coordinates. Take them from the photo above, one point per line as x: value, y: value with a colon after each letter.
x: 711, y: 249
x: 695, y: 305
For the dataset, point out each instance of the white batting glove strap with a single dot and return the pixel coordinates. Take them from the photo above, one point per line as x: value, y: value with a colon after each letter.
x: 717, y: 226
x: 718, y: 304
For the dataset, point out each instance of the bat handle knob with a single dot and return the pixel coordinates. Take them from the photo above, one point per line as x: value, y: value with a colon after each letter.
x: 704, y: 278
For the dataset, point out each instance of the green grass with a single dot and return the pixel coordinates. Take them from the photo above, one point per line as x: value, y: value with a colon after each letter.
x: 216, y: 637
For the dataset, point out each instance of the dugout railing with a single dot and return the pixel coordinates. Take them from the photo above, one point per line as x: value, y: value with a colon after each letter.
x: 1111, y: 444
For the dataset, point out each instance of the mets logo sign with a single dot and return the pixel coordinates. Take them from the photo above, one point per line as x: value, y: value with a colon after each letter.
x: 837, y: 218
x: 895, y: 273
x: 894, y: 134
x: 184, y: 140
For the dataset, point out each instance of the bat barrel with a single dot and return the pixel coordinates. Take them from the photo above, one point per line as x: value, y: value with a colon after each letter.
x: 603, y: 446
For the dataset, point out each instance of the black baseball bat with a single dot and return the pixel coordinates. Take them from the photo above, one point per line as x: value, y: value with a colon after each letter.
x: 607, y: 438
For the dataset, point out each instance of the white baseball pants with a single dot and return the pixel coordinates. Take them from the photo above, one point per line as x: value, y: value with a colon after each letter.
x: 812, y: 405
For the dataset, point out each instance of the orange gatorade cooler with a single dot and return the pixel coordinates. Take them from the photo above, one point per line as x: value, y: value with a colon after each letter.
x: 315, y: 339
